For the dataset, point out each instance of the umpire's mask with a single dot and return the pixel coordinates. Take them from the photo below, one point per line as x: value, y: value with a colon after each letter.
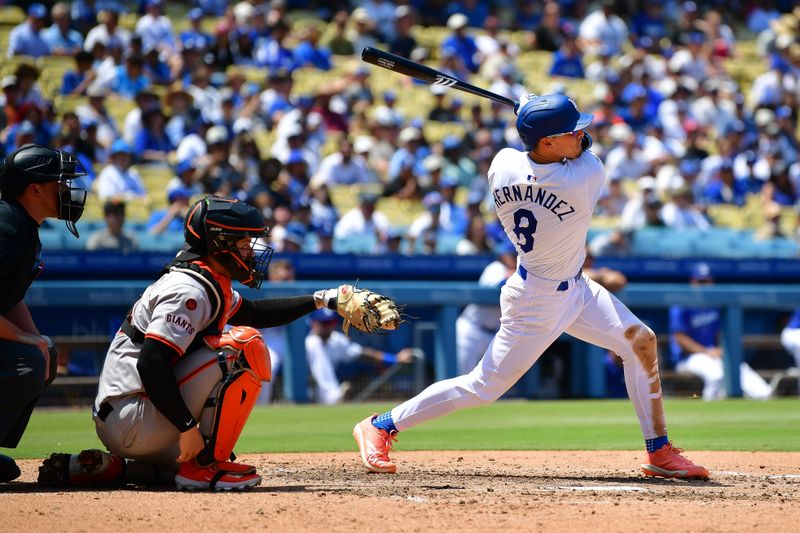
x: 36, y: 163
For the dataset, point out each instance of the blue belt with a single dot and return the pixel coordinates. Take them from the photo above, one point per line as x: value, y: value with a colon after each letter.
x: 564, y: 285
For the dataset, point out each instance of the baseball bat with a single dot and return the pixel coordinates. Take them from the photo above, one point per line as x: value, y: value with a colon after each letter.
x: 428, y: 75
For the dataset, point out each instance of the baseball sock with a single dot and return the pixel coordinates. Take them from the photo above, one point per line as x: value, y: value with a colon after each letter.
x: 656, y: 443
x: 384, y: 422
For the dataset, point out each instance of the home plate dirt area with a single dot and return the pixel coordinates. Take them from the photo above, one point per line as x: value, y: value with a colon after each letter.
x: 439, y: 491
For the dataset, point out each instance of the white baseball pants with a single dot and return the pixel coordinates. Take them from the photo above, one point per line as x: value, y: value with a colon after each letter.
x: 712, y: 371
x: 534, y: 314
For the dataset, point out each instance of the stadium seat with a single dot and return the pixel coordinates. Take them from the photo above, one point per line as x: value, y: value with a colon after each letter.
x: 446, y: 244
x: 164, y: 242
x: 11, y: 15
x: 66, y: 103
x: 355, y: 245
x: 137, y: 211
x: 51, y: 239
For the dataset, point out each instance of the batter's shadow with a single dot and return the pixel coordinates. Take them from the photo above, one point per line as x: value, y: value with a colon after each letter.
x: 620, y: 480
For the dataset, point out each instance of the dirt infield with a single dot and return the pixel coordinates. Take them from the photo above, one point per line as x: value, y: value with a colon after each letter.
x: 440, y: 491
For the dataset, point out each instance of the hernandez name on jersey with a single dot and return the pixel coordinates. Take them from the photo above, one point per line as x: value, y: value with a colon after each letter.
x: 546, y: 210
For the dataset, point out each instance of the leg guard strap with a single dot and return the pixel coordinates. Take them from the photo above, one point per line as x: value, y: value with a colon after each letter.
x: 235, y: 400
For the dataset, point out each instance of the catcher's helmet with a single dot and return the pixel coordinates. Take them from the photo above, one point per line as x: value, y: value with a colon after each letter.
x: 549, y: 114
x: 36, y: 163
x: 215, y: 225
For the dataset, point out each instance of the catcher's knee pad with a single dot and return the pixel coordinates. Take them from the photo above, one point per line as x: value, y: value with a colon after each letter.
x: 235, y: 400
x: 253, y: 353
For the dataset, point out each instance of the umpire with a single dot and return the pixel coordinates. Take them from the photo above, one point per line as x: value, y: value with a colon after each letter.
x: 35, y: 184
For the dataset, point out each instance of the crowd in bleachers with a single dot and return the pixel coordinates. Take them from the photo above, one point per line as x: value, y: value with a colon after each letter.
x: 696, y: 115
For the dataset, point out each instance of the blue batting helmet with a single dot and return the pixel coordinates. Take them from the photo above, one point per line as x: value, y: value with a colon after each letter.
x: 549, y: 114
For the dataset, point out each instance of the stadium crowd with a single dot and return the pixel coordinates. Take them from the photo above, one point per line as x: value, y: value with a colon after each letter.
x: 690, y: 126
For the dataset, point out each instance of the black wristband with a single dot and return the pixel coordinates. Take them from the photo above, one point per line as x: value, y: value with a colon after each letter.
x: 191, y: 423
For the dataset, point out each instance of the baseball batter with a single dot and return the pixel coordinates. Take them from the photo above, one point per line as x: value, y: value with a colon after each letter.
x: 175, y: 392
x: 544, y: 197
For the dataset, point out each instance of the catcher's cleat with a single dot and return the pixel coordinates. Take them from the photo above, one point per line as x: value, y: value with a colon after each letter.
x: 90, y: 467
x: 667, y: 461
x: 374, y: 445
x: 219, y: 476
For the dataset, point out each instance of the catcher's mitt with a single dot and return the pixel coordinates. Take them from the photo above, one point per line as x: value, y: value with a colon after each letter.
x: 365, y: 310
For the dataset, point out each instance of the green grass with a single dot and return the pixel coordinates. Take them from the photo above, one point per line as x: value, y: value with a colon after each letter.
x: 737, y: 425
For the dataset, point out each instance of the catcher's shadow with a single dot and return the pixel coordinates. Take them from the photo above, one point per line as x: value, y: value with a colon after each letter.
x: 32, y: 487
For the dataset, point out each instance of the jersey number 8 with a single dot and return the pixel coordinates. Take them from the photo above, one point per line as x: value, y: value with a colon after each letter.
x: 524, y: 228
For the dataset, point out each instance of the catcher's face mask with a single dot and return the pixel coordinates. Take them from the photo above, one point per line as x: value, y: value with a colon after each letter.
x: 234, y: 235
x: 246, y: 259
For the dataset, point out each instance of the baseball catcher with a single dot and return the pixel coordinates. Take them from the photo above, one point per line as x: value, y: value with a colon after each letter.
x: 176, y: 391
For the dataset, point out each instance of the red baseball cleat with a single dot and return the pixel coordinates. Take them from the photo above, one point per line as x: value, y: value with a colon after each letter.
x: 667, y: 461
x: 218, y: 476
x: 374, y: 445
x: 90, y: 467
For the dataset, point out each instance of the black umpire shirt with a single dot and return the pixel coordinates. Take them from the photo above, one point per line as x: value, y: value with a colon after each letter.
x: 20, y: 253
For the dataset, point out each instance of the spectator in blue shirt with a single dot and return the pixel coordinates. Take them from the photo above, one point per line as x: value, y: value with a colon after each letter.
x: 170, y: 220
x: 272, y: 52
x: 309, y: 53
x: 695, y: 346
x: 152, y: 142
x: 460, y: 43
x: 568, y: 60
x: 25, y: 39
x: 32, y: 128
x: 637, y: 114
x: 724, y: 188
x: 62, y: 40
x: 157, y: 71
x: 78, y: 80
x: 195, y: 34
x: 84, y: 13
x: 475, y: 11
x: 130, y: 79
x: 650, y: 23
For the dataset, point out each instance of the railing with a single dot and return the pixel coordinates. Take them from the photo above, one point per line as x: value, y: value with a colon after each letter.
x: 447, y: 298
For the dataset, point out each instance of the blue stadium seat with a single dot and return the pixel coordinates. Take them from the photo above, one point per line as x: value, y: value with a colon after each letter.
x: 447, y: 244
x: 52, y: 239
x: 785, y: 248
x: 164, y: 242
x: 355, y: 245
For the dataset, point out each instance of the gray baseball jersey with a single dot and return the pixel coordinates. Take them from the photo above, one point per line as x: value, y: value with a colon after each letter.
x: 172, y: 310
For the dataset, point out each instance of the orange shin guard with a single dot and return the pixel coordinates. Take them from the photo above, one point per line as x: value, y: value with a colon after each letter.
x: 235, y: 400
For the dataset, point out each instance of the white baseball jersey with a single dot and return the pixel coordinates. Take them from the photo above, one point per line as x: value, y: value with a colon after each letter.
x: 546, y: 210
x: 172, y: 310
